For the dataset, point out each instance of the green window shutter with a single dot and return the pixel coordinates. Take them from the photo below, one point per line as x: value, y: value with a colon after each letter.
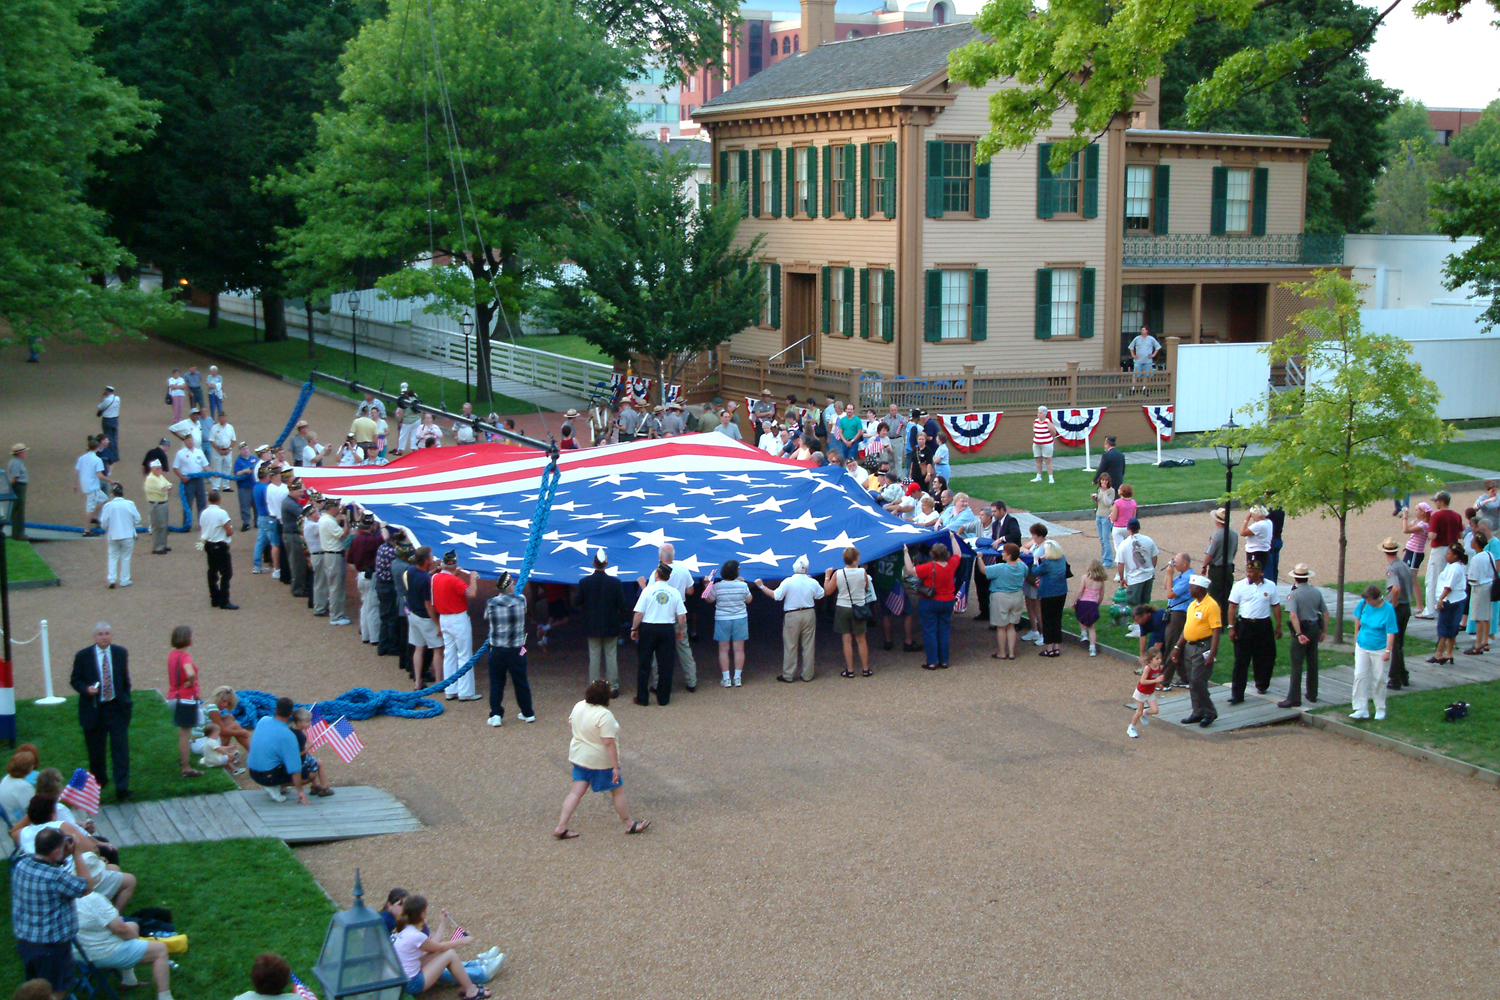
x: 981, y: 190
x: 827, y: 300
x: 864, y: 302
x: 864, y: 188
x: 791, y: 183
x: 744, y: 175
x: 723, y: 170
x: 888, y: 194
x: 1046, y: 192
x: 848, y: 301
x: 776, y: 183
x: 828, y: 195
x: 1258, y: 207
x: 704, y: 196
x: 851, y: 180
x: 934, y: 324
x: 1043, y: 303
x: 755, y: 185
x: 1156, y: 310
x: 1091, y: 181
x: 1220, y: 205
x: 776, y: 295
x: 1161, y: 192
x: 979, y: 307
x: 934, y: 180
x: 812, y: 182
x: 888, y: 306
x: 1086, y: 302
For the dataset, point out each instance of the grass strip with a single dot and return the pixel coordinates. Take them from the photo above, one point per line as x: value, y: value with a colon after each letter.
x: 1071, y: 491
x: 23, y: 564
x: 1416, y: 717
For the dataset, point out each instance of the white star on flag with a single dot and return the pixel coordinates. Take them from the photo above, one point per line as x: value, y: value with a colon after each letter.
x: 666, y: 508
x: 681, y: 477
x: 577, y: 545
x: 827, y: 484
x: 638, y: 494
x: 570, y: 506
x: 731, y: 535
x: 707, y: 491
x: 701, y: 519
x: 656, y: 538
x: 843, y: 541
x: 768, y: 557
x: 471, y: 539
x: 691, y: 564
x: 614, y: 479
x: 741, y: 478
x: 443, y: 519
x: 769, y: 503
x: 500, y: 559
x: 805, y: 521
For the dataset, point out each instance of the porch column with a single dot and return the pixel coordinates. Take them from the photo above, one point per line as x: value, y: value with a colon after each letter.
x: 1266, y: 326
x: 1197, y: 312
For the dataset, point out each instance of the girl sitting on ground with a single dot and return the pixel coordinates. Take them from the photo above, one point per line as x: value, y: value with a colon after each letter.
x: 1086, y: 606
x: 427, y: 959
x: 214, y: 751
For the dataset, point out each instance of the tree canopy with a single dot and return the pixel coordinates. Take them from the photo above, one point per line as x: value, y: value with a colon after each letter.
x: 59, y: 111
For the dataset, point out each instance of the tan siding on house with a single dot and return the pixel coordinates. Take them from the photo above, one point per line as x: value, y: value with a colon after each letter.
x: 1012, y: 244
x: 1192, y: 194
x: 1284, y: 197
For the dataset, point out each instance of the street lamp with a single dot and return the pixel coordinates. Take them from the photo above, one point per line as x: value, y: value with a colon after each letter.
x: 1229, y: 454
x: 468, y: 327
x: 7, y: 499
x: 357, y: 958
x: 354, y: 326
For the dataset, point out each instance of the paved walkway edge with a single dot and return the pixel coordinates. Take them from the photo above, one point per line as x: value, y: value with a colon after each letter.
x: 1405, y: 749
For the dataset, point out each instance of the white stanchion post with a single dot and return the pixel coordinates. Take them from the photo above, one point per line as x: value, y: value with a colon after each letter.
x: 1158, y: 446
x: 51, y: 698
x: 1088, y: 463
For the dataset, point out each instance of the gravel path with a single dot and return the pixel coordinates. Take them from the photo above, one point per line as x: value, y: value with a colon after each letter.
x: 986, y: 831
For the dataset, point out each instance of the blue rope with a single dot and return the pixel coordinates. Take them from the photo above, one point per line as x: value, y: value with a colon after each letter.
x: 363, y: 703
x: 291, y: 422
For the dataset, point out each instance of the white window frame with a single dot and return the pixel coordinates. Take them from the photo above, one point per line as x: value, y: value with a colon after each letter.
x: 876, y: 180
x: 801, y: 200
x: 734, y: 167
x: 957, y: 307
x: 1066, y: 301
x: 765, y: 294
x: 1140, y: 191
x: 1237, y: 210
x: 877, y: 302
x: 836, y: 194
x: 1132, y: 309
x: 836, y: 302
x: 765, y: 182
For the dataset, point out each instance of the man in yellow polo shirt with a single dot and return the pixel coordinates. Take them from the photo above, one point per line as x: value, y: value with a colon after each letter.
x: 1197, y: 649
x: 158, y: 488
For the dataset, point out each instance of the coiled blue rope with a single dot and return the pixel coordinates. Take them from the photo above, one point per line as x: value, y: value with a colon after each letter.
x: 363, y: 703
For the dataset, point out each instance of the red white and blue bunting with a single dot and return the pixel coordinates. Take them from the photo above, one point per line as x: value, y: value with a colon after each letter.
x: 634, y: 384
x: 1074, y: 427
x: 670, y: 393
x: 969, y: 431
x: 1162, y: 418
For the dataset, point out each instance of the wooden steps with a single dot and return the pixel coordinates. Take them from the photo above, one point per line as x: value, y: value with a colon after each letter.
x: 352, y: 811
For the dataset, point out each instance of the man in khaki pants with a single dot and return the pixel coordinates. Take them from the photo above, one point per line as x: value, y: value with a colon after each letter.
x: 799, y: 594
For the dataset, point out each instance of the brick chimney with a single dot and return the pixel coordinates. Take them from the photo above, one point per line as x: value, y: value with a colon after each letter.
x: 817, y: 23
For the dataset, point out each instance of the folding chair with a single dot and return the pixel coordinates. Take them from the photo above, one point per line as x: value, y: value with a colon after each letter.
x: 90, y: 982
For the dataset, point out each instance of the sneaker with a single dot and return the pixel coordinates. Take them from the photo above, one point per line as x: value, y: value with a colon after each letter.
x: 237, y: 770
x: 1050, y: 479
x: 469, y: 697
x: 1093, y: 650
x: 1039, y: 641
x: 1130, y: 731
x: 1379, y: 714
x: 276, y: 574
x: 492, y: 964
x: 725, y: 682
x: 737, y: 682
x: 528, y: 718
x: 1036, y: 478
x: 338, y: 621
x: 257, y: 571
x: 277, y: 795
x: 495, y: 721
x: 1145, y: 721
x: 1361, y: 714
x: 1133, y: 632
x: 485, y: 956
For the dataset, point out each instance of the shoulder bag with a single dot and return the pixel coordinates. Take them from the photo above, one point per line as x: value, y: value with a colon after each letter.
x: 1494, y: 580
x: 861, y: 610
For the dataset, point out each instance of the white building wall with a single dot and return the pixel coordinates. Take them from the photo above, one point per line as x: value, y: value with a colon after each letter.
x: 1404, y: 272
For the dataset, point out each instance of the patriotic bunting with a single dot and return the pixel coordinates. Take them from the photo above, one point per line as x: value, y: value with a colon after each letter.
x: 670, y: 393
x: 969, y: 431
x: 1076, y: 426
x: 633, y: 384
x: 1162, y: 418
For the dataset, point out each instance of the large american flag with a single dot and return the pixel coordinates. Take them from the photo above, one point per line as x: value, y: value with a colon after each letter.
x: 714, y: 498
x: 82, y: 791
x: 341, y: 737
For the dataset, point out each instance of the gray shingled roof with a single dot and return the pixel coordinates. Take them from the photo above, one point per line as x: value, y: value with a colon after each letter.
x: 880, y: 62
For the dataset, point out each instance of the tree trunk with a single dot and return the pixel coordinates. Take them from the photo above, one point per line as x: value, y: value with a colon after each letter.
x: 213, y: 312
x: 275, y: 317
x: 1338, y: 630
x: 312, y: 354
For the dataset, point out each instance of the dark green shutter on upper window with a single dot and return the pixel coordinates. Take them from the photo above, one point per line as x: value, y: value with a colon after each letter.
x: 979, y: 306
x: 934, y: 180
x: 1046, y: 191
x: 864, y: 188
x: 791, y: 183
x: 933, y: 327
x: 864, y: 302
x: 1258, y: 207
x: 851, y: 181
x: 888, y: 189
x: 848, y: 301
x: 888, y: 305
x: 1156, y: 310
x: 827, y: 300
x: 776, y: 295
x: 1161, y: 194
x: 828, y: 193
x: 776, y: 183
x: 1044, y: 303
x: 755, y: 185
x: 1086, y: 302
x: 744, y: 174
x: 981, y: 190
x: 1090, y: 204
x: 812, y: 182
x: 1219, y: 207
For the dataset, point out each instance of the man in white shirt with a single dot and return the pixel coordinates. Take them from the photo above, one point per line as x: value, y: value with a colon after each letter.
x: 221, y: 448
x: 109, y: 423
x: 333, y: 538
x: 92, y: 481
x: 770, y: 442
x: 188, y: 461
x: 119, y: 518
x: 215, y: 528
x: 659, y: 627
x: 312, y: 538
x: 111, y: 942
x: 1143, y: 352
x: 799, y: 594
x: 1252, y: 603
x: 1135, y: 564
x: 681, y: 580
x: 895, y: 429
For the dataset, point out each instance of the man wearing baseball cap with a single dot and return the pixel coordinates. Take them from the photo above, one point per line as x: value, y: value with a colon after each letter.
x: 158, y: 489
x: 109, y: 421
x: 450, y: 599
x: 1197, y: 649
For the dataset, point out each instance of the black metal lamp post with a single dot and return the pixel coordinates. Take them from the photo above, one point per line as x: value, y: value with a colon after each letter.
x: 7, y: 499
x: 468, y: 327
x: 1229, y: 455
x: 357, y: 958
x: 354, y: 326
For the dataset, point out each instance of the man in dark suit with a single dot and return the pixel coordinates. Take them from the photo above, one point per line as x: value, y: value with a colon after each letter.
x: 602, y: 599
x: 101, y: 676
x: 1002, y: 527
x: 1111, y: 461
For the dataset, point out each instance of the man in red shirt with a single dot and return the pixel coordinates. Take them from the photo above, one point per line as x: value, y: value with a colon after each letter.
x: 450, y: 599
x: 361, y: 555
x: 1443, y: 529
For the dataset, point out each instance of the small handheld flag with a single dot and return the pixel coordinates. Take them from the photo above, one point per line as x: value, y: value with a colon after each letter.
x: 301, y: 990
x: 82, y: 791
x: 343, y: 740
x: 317, y: 731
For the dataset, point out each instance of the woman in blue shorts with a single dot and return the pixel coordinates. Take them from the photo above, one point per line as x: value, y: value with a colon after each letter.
x: 595, y: 756
x: 731, y: 601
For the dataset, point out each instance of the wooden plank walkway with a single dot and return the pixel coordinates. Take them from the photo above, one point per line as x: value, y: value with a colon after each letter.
x: 353, y: 811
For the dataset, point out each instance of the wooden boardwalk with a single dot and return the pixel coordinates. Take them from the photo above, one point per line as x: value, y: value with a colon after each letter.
x: 352, y: 811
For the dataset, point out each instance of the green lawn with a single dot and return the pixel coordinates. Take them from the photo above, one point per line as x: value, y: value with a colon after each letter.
x: 1061, y: 450
x: 1071, y: 491
x: 1417, y: 718
x: 289, y: 357
x: 567, y: 344
x: 154, y: 770
x: 22, y: 563
x: 1479, y: 454
x: 233, y: 899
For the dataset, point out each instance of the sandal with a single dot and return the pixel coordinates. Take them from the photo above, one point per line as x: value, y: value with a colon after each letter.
x: 480, y: 993
x: 869, y: 673
x: 639, y: 826
x: 190, y: 773
x: 565, y: 835
x: 846, y: 673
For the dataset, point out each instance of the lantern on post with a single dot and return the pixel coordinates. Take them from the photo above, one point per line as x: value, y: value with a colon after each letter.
x: 357, y: 958
x: 354, y: 326
x: 467, y: 325
x: 1230, y: 452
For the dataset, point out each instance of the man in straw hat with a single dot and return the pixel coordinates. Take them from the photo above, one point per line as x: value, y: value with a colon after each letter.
x: 1400, y: 584
x: 1309, y: 614
x: 672, y: 422
x: 1253, y: 603
x: 16, y: 470
x: 799, y: 594
x: 602, y: 599
x: 297, y: 443
x: 1219, y: 572
x: 1197, y: 650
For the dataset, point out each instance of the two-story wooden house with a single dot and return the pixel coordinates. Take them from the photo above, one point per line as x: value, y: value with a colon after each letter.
x: 890, y: 253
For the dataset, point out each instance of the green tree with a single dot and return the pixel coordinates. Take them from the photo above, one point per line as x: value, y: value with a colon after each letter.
x: 237, y: 82
x: 1470, y: 206
x: 683, y: 34
x: 1403, y: 192
x: 1340, y: 443
x: 58, y: 111
x: 1478, y: 145
x: 643, y: 269
x: 459, y: 137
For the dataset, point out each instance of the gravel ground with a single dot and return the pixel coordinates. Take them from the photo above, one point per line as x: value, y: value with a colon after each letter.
x: 985, y: 831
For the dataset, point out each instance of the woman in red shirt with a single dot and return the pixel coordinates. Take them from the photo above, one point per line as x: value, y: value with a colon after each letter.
x: 182, y: 693
x: 936, y: 612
